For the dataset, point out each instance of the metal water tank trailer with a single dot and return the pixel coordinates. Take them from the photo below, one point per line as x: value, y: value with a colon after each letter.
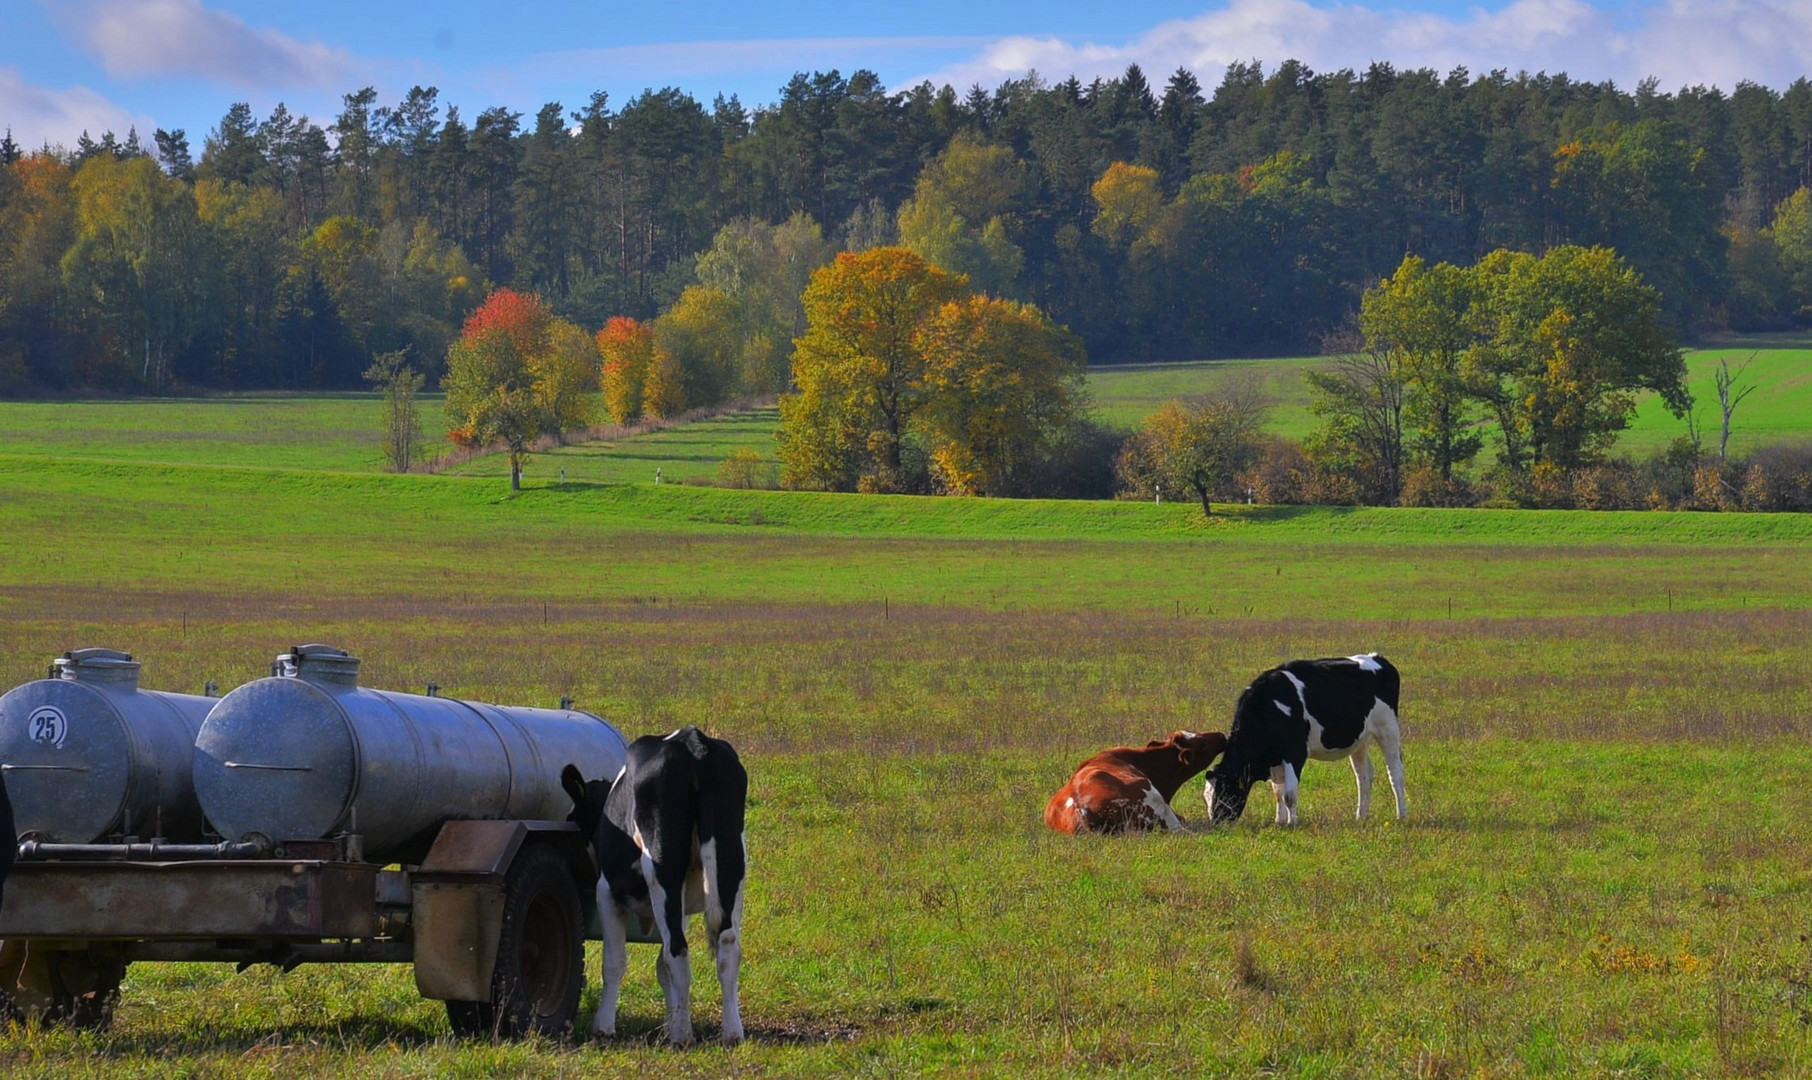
x: 308, y: 754
x: 88, y: 755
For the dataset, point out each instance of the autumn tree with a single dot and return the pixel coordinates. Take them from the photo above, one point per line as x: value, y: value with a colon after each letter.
x: 664, y: 391
x: 1002, y: 383
x: 513, y: 375
x: 860, y: 370
x: 565, y: 380
x: 627, y: 347
x: 1358, y: 397
x: 1195, y: 446
x: 763, y: 270
x: 957, y: 218
x: 1419, y: 319
x: 137, y: 259
x: 703, y: 335
x: 1567, y: 340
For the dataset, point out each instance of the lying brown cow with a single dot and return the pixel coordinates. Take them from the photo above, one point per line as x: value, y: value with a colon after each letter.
x: 1128, y: 789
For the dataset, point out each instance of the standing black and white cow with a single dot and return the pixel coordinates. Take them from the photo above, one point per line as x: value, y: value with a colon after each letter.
x: 1322, y: 709
x: 668, y: 833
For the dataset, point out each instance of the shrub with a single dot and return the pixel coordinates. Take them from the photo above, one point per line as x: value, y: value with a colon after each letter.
x: 743, y: 469
x: 1423, y: 485
x: 1778, y: 479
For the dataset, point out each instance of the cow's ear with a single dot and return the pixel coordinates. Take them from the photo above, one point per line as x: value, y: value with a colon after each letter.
x: 574, y: 783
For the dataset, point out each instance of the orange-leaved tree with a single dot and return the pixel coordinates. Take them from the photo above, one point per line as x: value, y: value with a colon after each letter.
x: 515, y: 373
x: 627, y: 348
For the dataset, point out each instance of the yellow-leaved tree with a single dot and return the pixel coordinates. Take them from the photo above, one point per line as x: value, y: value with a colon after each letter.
x: 627, y: 347
x: 1002, y: 383
x: 860, y: 371
x: 908, y: 382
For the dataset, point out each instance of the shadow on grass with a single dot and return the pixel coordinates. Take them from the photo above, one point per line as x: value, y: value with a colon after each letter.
x: 650, y: 1031
x: 1277, y: 514
x: 201, y: 1035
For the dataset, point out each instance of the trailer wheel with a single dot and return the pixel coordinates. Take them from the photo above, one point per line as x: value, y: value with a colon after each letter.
x: 540, y: 955
x: 75, y: 987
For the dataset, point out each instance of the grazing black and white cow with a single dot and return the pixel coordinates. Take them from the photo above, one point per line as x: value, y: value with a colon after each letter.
x: 1322, y: 709
x: 668, y: 833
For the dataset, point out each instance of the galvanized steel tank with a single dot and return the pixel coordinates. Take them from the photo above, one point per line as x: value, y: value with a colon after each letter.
x: 88, y: 755
x: 308, y: 754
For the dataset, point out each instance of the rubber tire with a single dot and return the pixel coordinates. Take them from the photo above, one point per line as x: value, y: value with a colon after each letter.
x: 82, y: 986
x: 88, y: 988
x: 540, y: 968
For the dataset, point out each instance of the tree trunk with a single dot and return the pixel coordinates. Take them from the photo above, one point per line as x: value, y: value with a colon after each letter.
x: 1207, y: 511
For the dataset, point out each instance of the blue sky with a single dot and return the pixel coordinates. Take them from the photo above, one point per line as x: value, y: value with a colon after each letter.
x: 70, y: 65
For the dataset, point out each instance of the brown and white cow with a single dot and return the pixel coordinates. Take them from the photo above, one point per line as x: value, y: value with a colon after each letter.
x: 1129, y: 788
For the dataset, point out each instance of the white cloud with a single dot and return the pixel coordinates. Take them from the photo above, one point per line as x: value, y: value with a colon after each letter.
x: 184, y: 38
x: 764, y: 62
x: 39, y: 114
x: 1679, y: 42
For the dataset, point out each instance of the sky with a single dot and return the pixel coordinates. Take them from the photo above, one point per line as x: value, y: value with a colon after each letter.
x: 68, y: 66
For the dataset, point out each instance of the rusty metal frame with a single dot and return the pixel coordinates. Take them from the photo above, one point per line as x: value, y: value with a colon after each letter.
x: 201, y: 899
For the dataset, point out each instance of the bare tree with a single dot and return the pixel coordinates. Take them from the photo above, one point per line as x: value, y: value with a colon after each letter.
x: 1359, y: 396
x: 1730, y: 395
x: 399, y: 383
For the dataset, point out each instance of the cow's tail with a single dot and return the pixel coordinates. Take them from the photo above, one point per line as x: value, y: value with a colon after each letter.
x: 694, y: 742
x: 1388, y: 683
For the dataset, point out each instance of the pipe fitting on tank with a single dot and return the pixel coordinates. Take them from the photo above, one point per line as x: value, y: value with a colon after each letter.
x: 95, y: 666
x: 321, y: 663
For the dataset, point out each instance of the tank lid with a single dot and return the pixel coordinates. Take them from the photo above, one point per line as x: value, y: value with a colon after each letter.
x: 322, y: 663
x: 95, y: 665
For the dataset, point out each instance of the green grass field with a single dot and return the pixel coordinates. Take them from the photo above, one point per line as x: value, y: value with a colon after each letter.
x: 1125, y: 394
x: 281, y: 431
x: 339, y: 432
x: 1606, y: 720
x: 691, y: 451
x: 1779, y: 410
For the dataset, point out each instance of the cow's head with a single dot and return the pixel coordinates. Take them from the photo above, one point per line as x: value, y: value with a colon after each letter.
x: 588, y: 799
x: 1198, y: 750
x: 1226, y: 791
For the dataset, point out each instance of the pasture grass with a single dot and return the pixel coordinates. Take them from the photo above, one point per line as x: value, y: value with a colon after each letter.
x: 689, y: 452
x: 340, y: 431
x: 1604, y: 872
x: 1779, y: 410
x: 1125, y: 394
x: 211, y: 535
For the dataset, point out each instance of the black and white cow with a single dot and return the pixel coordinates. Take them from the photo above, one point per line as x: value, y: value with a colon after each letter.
x: 668, y: 833
x: 1322, y: 709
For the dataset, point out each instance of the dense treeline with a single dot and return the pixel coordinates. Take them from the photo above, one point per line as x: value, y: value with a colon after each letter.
x: 1153, y: 221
